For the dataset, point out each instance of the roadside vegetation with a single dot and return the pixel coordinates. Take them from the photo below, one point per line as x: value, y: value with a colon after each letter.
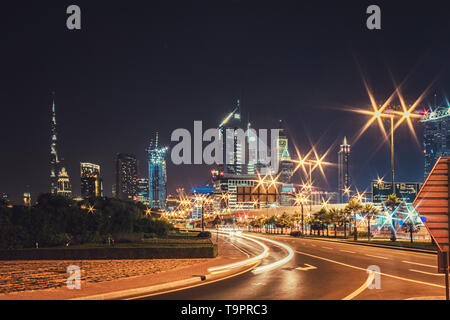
x: 327, y: 222
x: 56, y: 221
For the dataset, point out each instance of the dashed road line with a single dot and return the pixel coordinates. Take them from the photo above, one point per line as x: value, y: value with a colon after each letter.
x: 424, y: 272
x: 363, y: 269
x: 347, y: 251
x: 379, y: 257
x: 420, y: 264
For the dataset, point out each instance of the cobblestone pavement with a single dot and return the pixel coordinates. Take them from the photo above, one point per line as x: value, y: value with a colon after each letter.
x: 16, y: 276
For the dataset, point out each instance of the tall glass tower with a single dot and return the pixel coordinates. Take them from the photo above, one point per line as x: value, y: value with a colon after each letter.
x: 157, y: 176
x: 436, y: 136
x: 343, y: 170
x: 91, y: 181
x: 126, y: 175
x: 59, y: 178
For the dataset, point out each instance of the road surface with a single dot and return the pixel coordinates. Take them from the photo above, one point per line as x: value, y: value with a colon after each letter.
x: 325, y: 270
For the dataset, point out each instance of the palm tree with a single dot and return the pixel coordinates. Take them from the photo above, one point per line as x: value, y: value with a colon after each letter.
x: 411, y: 227
x: 392, y: 202
x: 272, y: 220
x: 344, y: 218
x: 334, y: 216
x: 370, y: 212
x: 353, y: 206
x: 284, y: 221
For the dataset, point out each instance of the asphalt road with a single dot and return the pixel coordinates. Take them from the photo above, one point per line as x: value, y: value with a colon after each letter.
x: 325, y: 270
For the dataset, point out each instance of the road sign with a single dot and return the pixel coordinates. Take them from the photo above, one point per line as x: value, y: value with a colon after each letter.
x: 433, y: 203
x: 406, y: 191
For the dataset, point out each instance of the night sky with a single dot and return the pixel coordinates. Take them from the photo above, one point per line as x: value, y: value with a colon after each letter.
x: 137, y: 67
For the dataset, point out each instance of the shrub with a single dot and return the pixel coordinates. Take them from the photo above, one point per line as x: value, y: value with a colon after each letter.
x: 296, y: 233
x: 127, y: 237
x: 204, y: 234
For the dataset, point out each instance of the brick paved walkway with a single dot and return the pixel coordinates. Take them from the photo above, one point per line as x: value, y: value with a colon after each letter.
x: 35, y: 280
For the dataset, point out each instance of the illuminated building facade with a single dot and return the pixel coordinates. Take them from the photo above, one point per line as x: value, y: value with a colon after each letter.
x: 126, y: 175
x: 242, y: 192
x: 343, y: 171
x: 59, y: 178
x: 63, y: 184
x: 232, y: 156
x: 436, y: 136
x: 27, y: 199
x: 4, y: 197
x: 91, y: 181
x: 286, y: 168
x: 143, y: 190
x: 157, y: 174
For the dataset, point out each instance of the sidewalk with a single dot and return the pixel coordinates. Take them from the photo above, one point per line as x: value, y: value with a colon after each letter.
x: 104, y: 277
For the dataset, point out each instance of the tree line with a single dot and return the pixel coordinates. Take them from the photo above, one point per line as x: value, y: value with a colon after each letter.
x: 57, y: 221
x: 319, y: 222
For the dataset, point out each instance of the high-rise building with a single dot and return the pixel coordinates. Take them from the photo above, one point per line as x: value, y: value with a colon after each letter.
x: 4, y: 197
x: 233, y: 148
x: 343, y: 171
x: 285, y: 168
x: 63, y: 183
x: 91, y: 181
x: 252, y: 149
x: 436, y: 136
x: 126, y: 175
x: 27, y: 199
x: 59, y: 178
x: 157, y: 174
x: 142, y: 190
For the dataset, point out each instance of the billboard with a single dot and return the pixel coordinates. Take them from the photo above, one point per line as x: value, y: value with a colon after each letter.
x: 406, y: 191
x: 257, y: 194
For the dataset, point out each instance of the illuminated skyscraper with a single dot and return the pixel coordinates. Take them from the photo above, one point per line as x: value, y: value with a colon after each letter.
x: 286, y: 166
x: 157, y: 174
x: 27, y: 199
x: 91, y: 182
x: 4, y: 197
x: 343, y: 171
x: 436, y: 136
x: 233, y: 148
x: 59, y: 178
x: 142, y: 190
x: 126, y: 175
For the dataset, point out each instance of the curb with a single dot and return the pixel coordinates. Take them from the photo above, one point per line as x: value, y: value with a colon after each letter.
x: 170, y: 286
x: 363, y: 244
x: 377, y: 245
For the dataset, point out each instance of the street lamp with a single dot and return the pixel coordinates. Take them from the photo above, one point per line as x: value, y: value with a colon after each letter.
x: 301, y: 199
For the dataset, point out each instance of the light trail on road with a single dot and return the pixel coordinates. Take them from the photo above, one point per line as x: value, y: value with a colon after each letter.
x: 261, y: 256
x: 243, y: 262
x: 277, y: 263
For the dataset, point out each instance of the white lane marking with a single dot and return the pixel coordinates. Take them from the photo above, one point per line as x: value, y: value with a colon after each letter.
x: 347, y: 251
x: 362, y: 288
x: 308, y: 267
x: 393, y: 251
x: 313, y: 245
x: 277, y: 263
x: 358, y: 268
x: 328, y: 248
x: 424, y: 272
x: 420, y: 264
x: 379, y: 257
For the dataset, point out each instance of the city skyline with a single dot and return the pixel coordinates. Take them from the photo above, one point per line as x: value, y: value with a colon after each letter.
x: 111, y: 106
